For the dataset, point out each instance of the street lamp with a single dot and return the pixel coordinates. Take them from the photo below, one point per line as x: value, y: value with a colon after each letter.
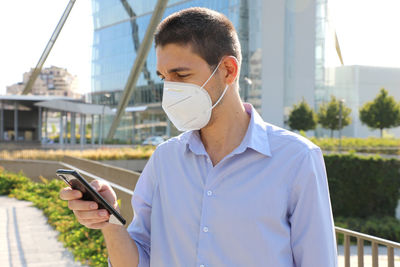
x: 341, y: 101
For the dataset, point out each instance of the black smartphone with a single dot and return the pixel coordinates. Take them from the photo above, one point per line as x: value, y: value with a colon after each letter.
x: 77, y: 182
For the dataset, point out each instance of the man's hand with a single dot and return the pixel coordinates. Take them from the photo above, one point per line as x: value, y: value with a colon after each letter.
x: 87, y: 212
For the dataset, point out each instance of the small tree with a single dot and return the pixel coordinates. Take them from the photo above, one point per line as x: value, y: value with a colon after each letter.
x: 302, y: 117
x: 383, y: 112
x: 329, y: 115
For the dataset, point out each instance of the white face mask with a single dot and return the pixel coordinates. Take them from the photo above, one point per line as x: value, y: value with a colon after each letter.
x: 188, y: 105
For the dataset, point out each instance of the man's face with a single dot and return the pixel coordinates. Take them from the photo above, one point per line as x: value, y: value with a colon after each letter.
x: 177, y: 63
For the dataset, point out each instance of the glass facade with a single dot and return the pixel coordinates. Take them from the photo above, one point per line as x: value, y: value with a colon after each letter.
x: 321, y: 93
x: 119, y: 26
x: 321, y: 86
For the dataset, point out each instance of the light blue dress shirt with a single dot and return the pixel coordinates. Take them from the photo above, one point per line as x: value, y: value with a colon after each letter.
x: 265, y: 204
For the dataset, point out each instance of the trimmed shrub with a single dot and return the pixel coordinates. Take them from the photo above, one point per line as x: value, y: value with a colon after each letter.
x: 11, y: 181
x: 141, y: 152
x: 365, y: 145
x: 363, y: 186
x: 384, y: 227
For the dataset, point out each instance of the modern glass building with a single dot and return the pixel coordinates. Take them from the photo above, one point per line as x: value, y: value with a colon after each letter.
x: 119, y: 26
x: 283, y: 50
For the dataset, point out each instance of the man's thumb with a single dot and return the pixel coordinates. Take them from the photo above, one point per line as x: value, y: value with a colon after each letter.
x: 96, y: 185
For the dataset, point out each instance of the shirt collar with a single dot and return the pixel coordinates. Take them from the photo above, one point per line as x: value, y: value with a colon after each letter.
x: 256, y: 136
x: 194, y: 143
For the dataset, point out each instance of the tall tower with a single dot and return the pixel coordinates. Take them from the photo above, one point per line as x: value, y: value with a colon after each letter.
x: 321, y: 25
x: 289, y: 57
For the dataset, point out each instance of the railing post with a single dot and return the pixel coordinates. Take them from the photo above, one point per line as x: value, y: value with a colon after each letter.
x: 360, y: 252
x: 390, y: 255
x: 346, y: 250
x: 375, y: 242
x: 375, y: 253
x: 337, y: 243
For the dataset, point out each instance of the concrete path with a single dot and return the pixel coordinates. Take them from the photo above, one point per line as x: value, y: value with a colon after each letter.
x: 367, y: 256
x: 27, y: 240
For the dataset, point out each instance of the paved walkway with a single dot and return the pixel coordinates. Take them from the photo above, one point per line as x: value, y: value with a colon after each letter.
x: 27, y: 240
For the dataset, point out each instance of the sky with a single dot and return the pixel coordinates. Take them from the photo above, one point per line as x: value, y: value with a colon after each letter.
x: 367, y: 31
x: 26, y: 26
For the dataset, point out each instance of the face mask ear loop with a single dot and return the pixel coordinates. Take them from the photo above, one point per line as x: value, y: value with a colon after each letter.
x: 220, y: 98
x: 212, y: 74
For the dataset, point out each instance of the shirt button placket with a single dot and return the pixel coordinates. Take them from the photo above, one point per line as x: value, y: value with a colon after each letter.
x: 204, y: 220
x: 205, y: 228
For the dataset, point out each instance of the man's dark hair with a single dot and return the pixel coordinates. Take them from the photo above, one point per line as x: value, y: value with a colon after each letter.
x: 210, y: 34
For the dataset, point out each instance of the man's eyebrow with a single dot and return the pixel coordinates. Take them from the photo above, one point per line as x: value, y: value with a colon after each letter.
x: 174, y: 70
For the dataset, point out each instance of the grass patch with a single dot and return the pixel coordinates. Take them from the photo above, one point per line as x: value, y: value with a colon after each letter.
x: 142, y: 152
x: 364, y: 145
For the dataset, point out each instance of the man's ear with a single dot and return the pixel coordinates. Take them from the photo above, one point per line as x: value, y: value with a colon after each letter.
x: 231, y: 67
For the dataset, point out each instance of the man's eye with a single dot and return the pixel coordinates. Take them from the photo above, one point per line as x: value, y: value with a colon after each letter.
x: 182, y: 75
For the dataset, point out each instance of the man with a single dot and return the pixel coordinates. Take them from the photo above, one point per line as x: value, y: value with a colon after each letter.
x: 230, y: 191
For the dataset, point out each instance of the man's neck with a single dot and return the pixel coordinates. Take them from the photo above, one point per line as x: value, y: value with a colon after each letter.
x: 226, y: 131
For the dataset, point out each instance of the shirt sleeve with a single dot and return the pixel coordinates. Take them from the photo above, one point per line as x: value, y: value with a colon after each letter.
x: 140, y: 227
x: 312, y: 229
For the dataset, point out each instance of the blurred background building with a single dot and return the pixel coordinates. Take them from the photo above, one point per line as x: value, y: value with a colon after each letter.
x: 52, y: 81
x: 293, y: 36
x: 279, y: 42
x: 287, y: 50
x: 358, y: 85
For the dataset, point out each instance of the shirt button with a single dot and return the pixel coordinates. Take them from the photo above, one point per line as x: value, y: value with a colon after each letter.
x: 205, y: 229
x: 209, y: 193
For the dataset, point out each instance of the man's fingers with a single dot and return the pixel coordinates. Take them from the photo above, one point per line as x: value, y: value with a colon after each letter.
x: 87, y: 212
x: 82, y: 205
x: 105, y: 191
x: 100, y: 186
x: 70, y: 194
x: 96, y: 185
x: 92, y: 214
x: 96, y: 225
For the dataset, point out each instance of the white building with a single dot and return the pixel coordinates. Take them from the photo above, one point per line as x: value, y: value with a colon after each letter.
x: 358, y: 85
x: 293, y: 67
x: 293, y: 55
x: 52, y: 81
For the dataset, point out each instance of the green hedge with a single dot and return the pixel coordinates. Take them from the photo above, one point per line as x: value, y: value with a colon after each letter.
x: 87, y: 245
x: 364, y: 145
x: 363, y: 186
x: 384, y: 227
x: 116, y: 153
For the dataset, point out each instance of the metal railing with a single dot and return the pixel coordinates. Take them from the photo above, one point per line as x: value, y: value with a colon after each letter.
x: 375, y: 242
